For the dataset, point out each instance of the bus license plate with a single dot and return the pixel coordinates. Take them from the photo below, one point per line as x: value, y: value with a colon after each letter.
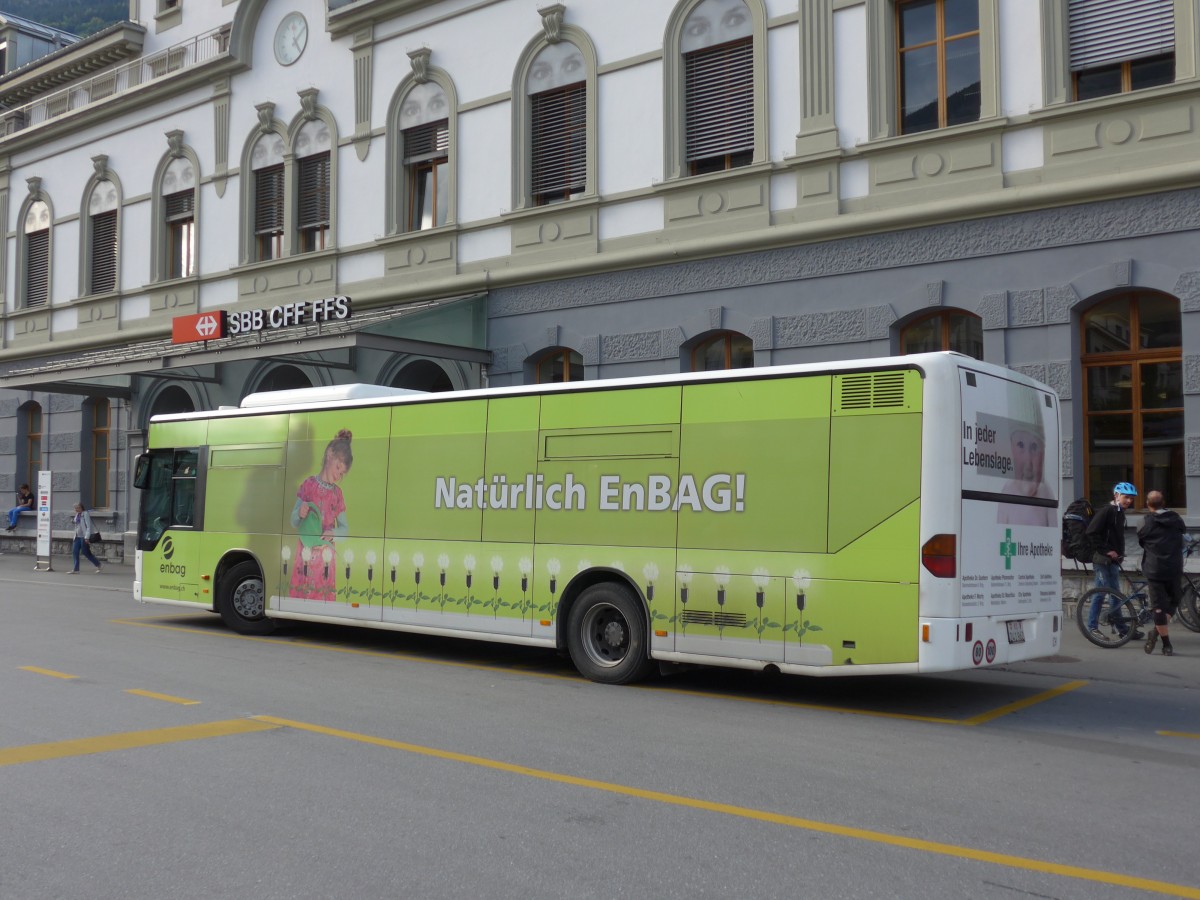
x: 1016, y: 632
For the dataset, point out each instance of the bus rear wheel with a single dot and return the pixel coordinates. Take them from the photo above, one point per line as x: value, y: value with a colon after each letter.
x: 606, y: 636
x: 241, y: 600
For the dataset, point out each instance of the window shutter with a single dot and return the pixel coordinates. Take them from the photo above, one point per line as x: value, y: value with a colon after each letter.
x: 104, y: 252
x: 268, y: 200
x: 559, y: 139
x: 424, y: 142
x: 314, y: 191
x: 179, y: 206
x: 37, y: 267
x: 719, y: 100
x: 1112, y: 31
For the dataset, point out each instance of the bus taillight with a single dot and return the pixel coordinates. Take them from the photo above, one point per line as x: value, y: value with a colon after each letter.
x: 939, y: 555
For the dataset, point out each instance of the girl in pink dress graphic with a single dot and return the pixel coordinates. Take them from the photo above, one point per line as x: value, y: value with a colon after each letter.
x: 320, y: 517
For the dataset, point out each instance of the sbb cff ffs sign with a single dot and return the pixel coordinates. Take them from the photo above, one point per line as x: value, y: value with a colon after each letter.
x: 330, y: 309
x: 209, y: 326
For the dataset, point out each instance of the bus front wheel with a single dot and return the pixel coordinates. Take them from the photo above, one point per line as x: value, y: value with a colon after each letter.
x: 606, y: 635
x: 241, y: 600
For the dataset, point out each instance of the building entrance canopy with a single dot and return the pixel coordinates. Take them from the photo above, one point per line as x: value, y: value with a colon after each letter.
x: 453, y: 328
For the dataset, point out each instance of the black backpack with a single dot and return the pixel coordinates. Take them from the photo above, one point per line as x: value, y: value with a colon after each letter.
x: 1075, y: 542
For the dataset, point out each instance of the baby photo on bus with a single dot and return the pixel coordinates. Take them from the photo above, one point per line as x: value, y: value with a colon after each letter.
x: 319, y: 517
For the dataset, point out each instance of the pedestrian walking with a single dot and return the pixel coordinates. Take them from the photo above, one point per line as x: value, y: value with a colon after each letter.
x: 1161, y: 537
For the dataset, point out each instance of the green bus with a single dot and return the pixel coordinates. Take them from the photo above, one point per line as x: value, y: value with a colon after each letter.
x: 891, y: 515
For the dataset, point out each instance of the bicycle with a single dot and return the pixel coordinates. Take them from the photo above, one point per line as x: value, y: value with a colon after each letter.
x: 1121, y: 615
x: 1189, y: 603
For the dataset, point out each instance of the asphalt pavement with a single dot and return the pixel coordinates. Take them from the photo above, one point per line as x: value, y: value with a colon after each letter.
x: 1078, y: 659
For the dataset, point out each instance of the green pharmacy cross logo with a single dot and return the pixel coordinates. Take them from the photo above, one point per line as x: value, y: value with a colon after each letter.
x: 1008, y: 548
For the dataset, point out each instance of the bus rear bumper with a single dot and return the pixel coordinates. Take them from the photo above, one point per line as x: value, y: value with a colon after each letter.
x: 984, y: 641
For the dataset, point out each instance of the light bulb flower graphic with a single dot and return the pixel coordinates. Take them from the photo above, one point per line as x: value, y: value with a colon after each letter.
x: 443, y: 565
x: 327, y: 558
x: 554, y: 567
x: 497, y: 568
x: 286, y: 553
x: 370, y: 564
x: 800, y: 580
x: 348, y: 557
x: 418, y: 560
x: 525, y: 567
x: 305, y: 558
x: 650, y: 570
x: 721, y: 576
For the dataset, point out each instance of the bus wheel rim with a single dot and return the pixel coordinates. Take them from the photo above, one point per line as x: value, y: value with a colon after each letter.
x: 605, y: 635
x: 248, y: 599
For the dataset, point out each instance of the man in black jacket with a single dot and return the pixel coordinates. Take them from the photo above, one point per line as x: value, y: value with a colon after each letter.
x: 1161, y: 537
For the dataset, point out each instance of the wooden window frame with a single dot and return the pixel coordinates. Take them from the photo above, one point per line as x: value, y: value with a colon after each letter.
x: 269, y: 191
x: 940, y: 41
x: 426, y: 148
x: 947, y: 316
x: 101, y: 429
x: 313, y: 181
x: 725, y: 337
x: 559, y: 142
x: 33, y: 442
x: 566, y: 356
x: 1135, y: 359
x: 706, y: 117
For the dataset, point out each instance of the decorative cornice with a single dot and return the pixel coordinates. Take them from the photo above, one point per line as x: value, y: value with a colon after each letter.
x: 100, y: 165
x: 175, y: 143
x: 308, y: 104
x: 419, y: 59
x: 266, y: 115
x: 552, y: 20
x: 35, y: 185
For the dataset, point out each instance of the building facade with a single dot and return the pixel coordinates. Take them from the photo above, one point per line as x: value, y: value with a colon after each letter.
x: 510, y: 193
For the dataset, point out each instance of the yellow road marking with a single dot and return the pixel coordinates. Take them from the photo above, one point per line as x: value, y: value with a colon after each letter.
x: 863, y: 834
x: 11, y: 756
x: 534, y: 672
x: 1022, y: 704
x: 50, y: 672
x: 166, y: 697
x: 1182, y: 734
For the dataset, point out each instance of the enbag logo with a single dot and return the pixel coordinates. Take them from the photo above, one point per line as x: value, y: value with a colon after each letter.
x: 168, y: 547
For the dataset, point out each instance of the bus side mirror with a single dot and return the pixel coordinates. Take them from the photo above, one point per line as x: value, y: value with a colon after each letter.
x: 141, y: 472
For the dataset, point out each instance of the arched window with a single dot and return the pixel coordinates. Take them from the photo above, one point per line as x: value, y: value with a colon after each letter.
x: 425, y: 137
x: 172, y: 399
x: 179, y: 219
x: 100, y: 258
x: 35, y: 255
x: 945, y: 329
x: 1133, y: 396
x: 557, y: 90
x: 313, y: 160
x: 723, y: 350
x: 423, y: 375
x: 562, y: 364
x: 284, y: 378
x: 266, y: 162
x: 97, y: 423
x: 717, y: 45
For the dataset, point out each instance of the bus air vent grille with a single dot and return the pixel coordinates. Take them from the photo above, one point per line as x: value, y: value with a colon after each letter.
x: 708, y: 617
x: 881, y: 390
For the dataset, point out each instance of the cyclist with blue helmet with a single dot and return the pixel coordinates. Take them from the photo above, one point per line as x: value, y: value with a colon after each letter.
x: 1106, y: 531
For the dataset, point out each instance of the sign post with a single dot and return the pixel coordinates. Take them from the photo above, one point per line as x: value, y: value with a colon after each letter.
x: 44, y: 493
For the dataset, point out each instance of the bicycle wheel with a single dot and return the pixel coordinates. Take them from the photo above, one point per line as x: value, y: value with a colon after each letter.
x: 1116, y: 621
x: 1189, y: 607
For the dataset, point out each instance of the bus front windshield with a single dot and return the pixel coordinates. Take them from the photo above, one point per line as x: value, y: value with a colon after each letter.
x: 168, y: 495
